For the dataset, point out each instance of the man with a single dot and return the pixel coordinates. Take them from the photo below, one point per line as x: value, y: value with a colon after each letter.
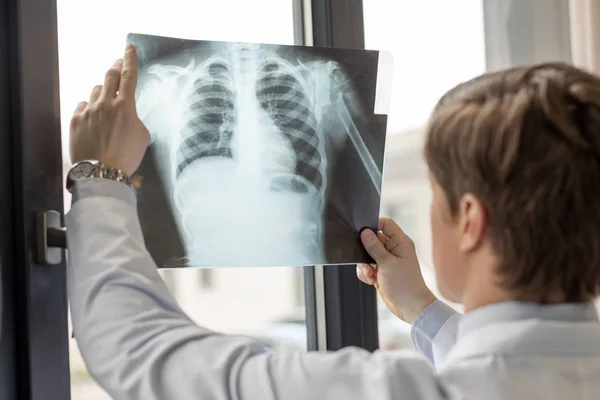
x: 514, y: 160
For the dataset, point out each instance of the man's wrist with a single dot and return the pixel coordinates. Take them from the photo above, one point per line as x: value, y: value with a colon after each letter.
x: 87, y: 169
x: 418, y: 306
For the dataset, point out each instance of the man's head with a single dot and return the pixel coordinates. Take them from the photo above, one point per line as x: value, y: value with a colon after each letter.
x: 514, y: 159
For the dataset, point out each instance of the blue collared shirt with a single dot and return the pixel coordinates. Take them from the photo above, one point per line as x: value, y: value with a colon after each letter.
x: 439, y: 326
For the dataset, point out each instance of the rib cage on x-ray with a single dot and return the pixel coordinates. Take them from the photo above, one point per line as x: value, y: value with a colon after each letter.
x: 283, y: 97
x: 209, y: 120
x: 243, y: 97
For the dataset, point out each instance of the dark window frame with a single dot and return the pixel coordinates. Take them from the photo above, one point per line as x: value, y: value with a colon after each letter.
x: 38, y: 322
x: 8, y: 334
x: 350, y: 305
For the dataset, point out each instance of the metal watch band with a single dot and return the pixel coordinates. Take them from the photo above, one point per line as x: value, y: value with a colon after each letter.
x: 94, y: 169
x: 106, y: 172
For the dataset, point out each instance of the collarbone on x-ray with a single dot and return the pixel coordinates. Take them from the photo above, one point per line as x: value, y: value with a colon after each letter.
x: 248, y: 155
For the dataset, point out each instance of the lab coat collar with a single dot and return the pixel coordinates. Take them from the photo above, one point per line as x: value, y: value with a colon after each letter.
x: 527, y: 328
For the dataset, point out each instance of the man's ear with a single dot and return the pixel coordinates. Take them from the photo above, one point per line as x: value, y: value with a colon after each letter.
x: 473, y: 222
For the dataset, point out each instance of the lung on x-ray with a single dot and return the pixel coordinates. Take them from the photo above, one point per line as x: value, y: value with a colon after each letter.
x: 261, y: 155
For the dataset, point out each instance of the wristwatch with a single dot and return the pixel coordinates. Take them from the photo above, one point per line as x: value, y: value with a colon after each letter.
x: 94, y: 169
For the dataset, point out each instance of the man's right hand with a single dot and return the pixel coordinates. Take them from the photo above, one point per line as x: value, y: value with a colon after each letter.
x: 396, y: 273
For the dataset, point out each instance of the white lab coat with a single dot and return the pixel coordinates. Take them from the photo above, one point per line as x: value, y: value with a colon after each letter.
x: 138, y: 343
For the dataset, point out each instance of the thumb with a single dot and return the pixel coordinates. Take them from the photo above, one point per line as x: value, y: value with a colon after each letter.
x: 374, y: 246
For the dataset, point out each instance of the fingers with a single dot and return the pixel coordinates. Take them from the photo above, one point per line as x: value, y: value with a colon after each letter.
x: 366, y: 273
x: 80, y: 107
x: 384, y: 239
x: 112, y: 80
x: 361, y: 276
x: 77, y: 115
x: 128, y: 75
x: 396, y: 240
x: 389, y: 227
x: 95, y: 95
x: 374, y: 246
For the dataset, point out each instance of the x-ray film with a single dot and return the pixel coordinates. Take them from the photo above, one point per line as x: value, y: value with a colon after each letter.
x: 261, y: 155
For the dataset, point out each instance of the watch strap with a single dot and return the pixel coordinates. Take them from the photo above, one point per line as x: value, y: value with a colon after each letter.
x: 115, y: 174
x: 95, y: 169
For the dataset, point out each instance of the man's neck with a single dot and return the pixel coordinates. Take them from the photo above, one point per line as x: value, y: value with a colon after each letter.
x: 482, y: 290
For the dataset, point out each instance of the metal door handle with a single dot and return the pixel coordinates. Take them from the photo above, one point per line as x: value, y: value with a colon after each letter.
x: 51, y: 237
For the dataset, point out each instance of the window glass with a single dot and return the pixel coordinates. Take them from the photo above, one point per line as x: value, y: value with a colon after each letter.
x: 436, y: 44
x: 266, y: 303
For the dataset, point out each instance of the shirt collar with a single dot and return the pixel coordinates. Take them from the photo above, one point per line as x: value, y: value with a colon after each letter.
x: 518, y: 311
x: 527, y: 328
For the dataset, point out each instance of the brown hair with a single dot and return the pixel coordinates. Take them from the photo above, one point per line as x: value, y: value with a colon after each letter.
x: 526, y: 142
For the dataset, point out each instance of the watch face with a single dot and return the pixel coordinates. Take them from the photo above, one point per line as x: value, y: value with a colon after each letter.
x: 82, y: 171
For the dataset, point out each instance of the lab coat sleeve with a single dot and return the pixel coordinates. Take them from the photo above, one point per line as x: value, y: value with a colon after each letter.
x: 138, y: 344
x: 434, y: 331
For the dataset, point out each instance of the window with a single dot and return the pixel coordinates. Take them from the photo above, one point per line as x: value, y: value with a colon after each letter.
x: 262, y: 302
x: 403, y: 212
x: 435, y: 45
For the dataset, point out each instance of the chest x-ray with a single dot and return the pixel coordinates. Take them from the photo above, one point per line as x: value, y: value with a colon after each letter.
x: 261, y: 155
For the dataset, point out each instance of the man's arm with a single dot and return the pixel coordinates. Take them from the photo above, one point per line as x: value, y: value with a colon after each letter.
x: 399, y: 281
x: 138, y: 343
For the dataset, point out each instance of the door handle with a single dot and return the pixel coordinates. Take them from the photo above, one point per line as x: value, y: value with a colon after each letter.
x: 51, y: 237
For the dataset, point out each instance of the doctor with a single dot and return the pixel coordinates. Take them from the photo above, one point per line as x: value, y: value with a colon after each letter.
x: 514, y: 159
